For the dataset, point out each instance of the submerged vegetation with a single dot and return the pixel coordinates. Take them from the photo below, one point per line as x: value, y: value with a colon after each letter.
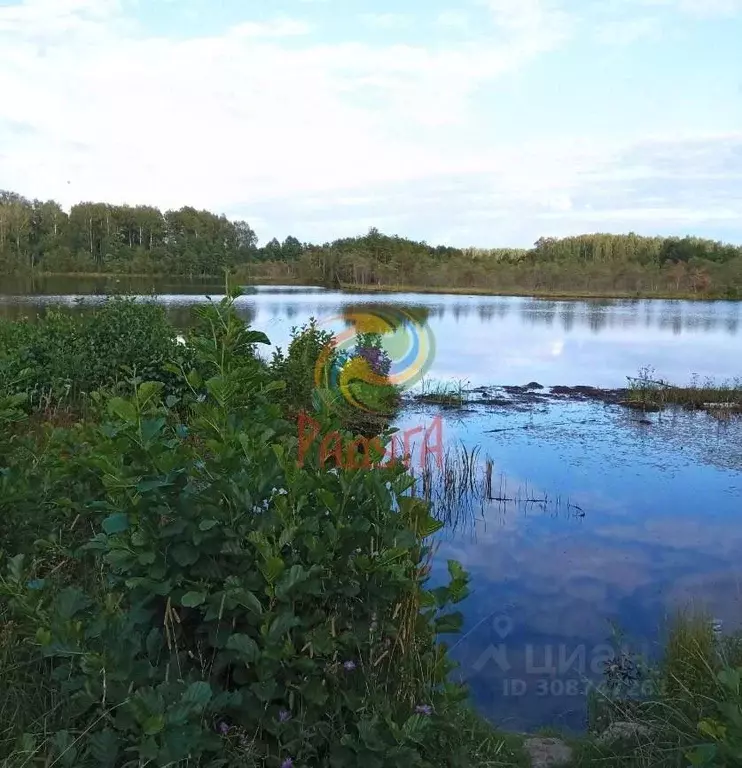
x: 99, y: 238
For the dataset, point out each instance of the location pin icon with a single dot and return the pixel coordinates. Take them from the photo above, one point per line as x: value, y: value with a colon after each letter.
x: 503, y: 625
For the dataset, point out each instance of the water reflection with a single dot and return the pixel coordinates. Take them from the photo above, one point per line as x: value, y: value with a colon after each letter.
x: 482, y: 340
x: 657, y: 527
x: 661, y: 500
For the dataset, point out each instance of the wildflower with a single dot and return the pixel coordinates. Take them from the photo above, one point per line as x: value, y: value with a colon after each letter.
x: 223, y: 728
x: 284, y: 716
x: 424, y: 709
x: 349, y: 666
x: 287, y: 763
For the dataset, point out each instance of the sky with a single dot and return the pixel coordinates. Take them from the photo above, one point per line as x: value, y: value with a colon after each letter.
x: 462, y: 122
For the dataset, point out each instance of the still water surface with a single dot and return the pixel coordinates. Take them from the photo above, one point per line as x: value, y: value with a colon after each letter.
x: 481, y: 340
x: 612, y: 517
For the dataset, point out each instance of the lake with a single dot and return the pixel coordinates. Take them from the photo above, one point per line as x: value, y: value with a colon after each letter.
x: 599, y: 517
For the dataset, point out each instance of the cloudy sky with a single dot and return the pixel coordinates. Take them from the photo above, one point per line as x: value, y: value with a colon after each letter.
x: 467, y: 122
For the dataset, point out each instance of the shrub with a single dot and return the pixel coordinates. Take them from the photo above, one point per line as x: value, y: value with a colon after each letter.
x: 238, y: 609
x: 297, y: 368
x: 63, y: 356
x: 351, y: 384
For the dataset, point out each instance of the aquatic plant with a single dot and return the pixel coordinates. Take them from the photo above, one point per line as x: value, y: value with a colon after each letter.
x: 444, y: 393
x: 722, y: 399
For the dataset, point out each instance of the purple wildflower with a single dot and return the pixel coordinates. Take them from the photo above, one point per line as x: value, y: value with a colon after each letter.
x: 284, y: 716
x: 349, y: 666
x: 223, y: 728
x: 287, y: 763
x: 424, y: 709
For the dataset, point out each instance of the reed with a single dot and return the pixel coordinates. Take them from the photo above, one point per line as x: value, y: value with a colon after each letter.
x: 462, y: 485
x: 451, y: 394
x: 647, y: 392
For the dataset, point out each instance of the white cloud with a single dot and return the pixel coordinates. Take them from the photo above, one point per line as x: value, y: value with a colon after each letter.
x: 264, y: 121
x: 385, y: 20
x: 708, y: 8
x: 211, y: 120
x: 529, y: 15
x: 282, y: 27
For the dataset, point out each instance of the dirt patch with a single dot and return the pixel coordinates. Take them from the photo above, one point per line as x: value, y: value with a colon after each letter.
x: 609, y: 396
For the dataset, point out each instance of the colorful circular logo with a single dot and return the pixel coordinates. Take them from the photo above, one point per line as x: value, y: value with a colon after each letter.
x: 379, y: 348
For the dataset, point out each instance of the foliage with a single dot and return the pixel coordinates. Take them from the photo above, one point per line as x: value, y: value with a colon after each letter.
x: 601, y: 264
x: 64, y: 355
x: 230, y: 607
x: 103, y: 238
x: 118, y: 238
x: 352, y: 384
x: 724, y: 730
x: 298, y: 366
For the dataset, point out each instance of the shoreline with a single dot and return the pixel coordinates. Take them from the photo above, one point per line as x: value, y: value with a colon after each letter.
x: 515, y: 398
x: 400, y: 288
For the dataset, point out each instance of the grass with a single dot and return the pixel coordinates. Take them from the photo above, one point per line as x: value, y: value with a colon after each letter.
x: 462, y: 484
x: 483, y: 745
x: 450, y: 394
x: 687, y: 691
x: 648, y: 393
x: 665, y: 726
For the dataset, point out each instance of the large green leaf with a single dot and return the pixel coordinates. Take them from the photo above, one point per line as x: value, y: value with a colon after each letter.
x: 117, y: 523
x: 245, y: 646
x: 272, y: 568
x: 193, y: 599
x: 198, y: 695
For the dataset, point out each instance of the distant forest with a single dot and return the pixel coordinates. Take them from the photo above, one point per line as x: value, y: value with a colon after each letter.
x: 98, y: 238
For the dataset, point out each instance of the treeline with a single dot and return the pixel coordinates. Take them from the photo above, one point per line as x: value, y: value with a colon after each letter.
x: 101, y: 238
x: 589, y: 264
x: 98, y: 237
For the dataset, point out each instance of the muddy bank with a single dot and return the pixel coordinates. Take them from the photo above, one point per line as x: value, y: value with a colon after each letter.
x: 527, y: 396
x: 535, y: 393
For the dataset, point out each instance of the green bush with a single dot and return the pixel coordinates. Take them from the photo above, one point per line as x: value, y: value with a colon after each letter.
x: 63, y: 355
x: 298, y: 366
x: 232, y: 607
x: 351, y: 384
